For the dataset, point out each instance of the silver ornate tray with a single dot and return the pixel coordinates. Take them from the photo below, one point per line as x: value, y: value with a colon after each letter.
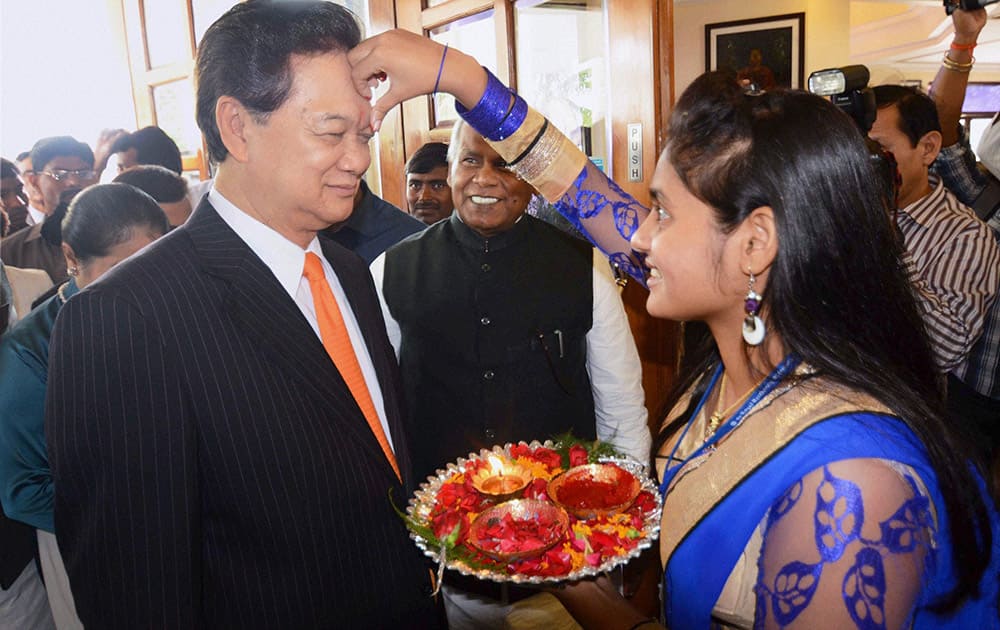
x: 423, y: 500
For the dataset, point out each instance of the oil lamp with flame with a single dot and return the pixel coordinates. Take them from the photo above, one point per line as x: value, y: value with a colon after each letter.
x: 502, y: 479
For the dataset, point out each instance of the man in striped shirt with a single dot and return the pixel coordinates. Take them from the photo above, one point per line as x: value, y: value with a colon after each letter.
x: 954, y: 255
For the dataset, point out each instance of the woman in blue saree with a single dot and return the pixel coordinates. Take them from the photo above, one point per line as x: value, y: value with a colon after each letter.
x: 809, y: 477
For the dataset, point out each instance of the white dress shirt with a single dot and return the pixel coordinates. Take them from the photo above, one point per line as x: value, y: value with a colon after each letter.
x: 286, y: 260
x: 34, y: 216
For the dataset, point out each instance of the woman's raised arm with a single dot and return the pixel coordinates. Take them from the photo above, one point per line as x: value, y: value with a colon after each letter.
x: 531, y: 146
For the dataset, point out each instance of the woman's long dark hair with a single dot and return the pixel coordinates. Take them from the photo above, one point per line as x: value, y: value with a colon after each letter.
x: 838, y: 293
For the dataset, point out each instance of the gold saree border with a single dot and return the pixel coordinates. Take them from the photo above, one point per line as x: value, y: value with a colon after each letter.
x: 695, y: 495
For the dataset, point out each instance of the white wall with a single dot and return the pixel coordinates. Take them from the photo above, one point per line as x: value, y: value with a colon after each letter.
x: 60, y: 73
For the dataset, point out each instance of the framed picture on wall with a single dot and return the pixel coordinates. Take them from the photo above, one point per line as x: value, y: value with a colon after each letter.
x: 769, y: 51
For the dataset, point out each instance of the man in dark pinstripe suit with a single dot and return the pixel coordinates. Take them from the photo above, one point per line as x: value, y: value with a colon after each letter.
x: 212, y: 469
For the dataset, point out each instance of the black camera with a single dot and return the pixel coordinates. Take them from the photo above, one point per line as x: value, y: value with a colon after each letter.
x: 965, y: 5
x: 847, y: 88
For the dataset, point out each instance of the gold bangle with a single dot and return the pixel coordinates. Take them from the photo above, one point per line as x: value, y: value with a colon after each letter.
x: 552, y: 164
x: 955, y: 66
x: 541, y: 153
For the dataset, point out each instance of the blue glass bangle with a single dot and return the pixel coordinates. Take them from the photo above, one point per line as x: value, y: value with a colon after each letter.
x: 513, y: 121
x: 489, y: 113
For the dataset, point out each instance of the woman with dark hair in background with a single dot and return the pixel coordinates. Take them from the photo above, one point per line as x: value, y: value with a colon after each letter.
x: 808, y: 474
x: 104, y: 225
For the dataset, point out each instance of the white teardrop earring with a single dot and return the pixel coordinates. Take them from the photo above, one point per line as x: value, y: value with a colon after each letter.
x: 753, y: 325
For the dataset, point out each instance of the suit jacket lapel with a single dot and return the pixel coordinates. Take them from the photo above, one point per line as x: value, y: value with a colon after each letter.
x: 265, y: 313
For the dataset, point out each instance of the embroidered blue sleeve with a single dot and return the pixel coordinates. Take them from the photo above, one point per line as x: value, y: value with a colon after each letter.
x: 607, y: 215
x: 793, y: 590
x: 785, y: 503
x: 840, y: 513
x: 900, y: 531
x: 838, y: 519
x: 864, y: 590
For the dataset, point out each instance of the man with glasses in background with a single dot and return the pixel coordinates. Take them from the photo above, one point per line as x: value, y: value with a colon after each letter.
x: 61, y: 166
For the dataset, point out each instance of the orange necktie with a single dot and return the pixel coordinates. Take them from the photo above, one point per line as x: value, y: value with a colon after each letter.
x: 338, y: 345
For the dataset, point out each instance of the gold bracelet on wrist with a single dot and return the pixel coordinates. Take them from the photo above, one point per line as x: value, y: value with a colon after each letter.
x: 955, y: 66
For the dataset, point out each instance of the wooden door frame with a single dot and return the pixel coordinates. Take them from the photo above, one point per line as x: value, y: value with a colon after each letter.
x: 146, y: 78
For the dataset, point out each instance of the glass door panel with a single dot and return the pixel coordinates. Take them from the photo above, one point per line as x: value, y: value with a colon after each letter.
x: 167, y: 35
x: 565, y: 76
x: 474, y: 35
x: 174, y: 105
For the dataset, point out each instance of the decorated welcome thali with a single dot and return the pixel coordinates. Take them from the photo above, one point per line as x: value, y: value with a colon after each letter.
x: 536, y: 513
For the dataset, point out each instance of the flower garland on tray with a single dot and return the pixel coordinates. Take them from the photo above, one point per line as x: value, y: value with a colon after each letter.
x: 587, y: 542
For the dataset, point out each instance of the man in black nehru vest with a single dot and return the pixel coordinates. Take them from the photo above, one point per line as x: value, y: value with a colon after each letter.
x: 506, y: 328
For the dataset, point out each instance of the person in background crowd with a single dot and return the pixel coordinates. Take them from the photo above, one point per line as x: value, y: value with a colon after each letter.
x: 809, y: 473
x: 149, y: 145
x: 243, y: 478
x: 506, y: 330
x: 13, y: 197
x: 974, y: 390
x: 62, y: 167
x: 374, y: 225
x: 955, y: 164
x: 989, y: 155
x: 22, y: 595
x: 104, y: 225
x: 36, y: 203
x: 27, y: 286
x: 428, y: 195
x: 955, y: 255
x: 22, y: 286
x: 168, y: 188
x: 52, y: 233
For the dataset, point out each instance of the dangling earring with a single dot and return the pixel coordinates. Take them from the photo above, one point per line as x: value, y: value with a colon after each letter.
x: 753, y: 325
x: 72, y: 271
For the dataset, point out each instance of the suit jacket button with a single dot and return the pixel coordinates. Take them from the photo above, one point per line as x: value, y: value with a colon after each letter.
x: 488, y: 375
x: 485, y: 267
x: 485, y: 321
